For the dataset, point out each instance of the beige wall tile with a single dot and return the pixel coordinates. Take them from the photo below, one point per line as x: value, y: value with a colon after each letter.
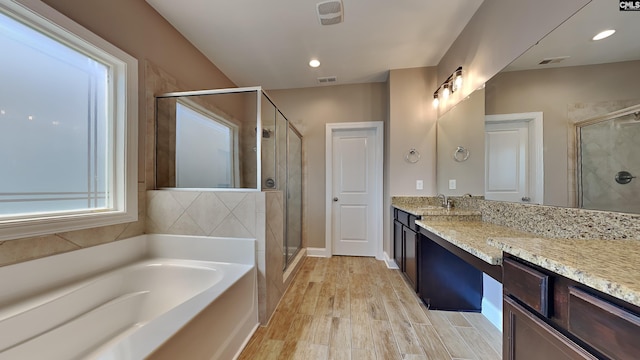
x: 15, y: 251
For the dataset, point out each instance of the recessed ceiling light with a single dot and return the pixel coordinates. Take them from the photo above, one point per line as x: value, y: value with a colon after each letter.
x: 604, y: 34
x: 314, y: 63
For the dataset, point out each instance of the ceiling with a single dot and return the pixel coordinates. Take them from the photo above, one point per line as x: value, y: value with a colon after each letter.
x: 573, y: 39
x: 270, y: 43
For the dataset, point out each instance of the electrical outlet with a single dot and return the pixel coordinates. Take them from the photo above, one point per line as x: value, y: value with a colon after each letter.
x: 419, y: 185
x: 452, y: 184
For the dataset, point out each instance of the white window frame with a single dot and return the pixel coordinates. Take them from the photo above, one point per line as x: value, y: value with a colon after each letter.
x: 235, y: 162
x: 124, y: 110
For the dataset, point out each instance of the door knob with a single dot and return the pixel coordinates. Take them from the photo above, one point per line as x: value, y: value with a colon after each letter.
x: 335, y: 199
x: 526, y: 199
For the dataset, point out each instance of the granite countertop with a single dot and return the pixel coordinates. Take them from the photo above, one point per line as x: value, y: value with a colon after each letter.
x: 609, y: 266
x: 471, y: 236
x: 430, y: 210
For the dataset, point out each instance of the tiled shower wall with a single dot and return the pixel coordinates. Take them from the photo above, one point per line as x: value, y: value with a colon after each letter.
x: 607, y: 148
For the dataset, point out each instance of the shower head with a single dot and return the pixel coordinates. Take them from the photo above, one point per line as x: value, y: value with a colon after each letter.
x: 629, y: 119
x: 266, y: 133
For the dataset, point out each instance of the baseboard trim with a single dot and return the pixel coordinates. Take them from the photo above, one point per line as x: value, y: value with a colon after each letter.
x: 317, y: 252
x: 492, y: 313
x: 391, y: 263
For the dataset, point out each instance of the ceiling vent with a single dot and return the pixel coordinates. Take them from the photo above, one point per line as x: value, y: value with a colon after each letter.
x: 553, y: 60
x: 329, y: 12
x: 327, y: 80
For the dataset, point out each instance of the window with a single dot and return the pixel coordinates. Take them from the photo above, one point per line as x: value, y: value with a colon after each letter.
x: 68, y: 125
x: 205, y: 148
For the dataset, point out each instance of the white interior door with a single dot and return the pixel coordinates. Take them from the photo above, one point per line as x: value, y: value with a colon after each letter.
x: 506, y: 162
x: 354, y: 191
x: 514, y: 157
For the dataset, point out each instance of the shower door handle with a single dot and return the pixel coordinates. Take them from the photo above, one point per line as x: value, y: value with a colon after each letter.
x: 335, y: 199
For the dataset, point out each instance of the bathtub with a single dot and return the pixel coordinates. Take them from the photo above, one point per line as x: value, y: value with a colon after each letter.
x: 132, y: 299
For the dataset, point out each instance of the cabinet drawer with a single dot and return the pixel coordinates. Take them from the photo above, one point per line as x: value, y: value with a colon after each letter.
x: 612, y: 330
x: 527, y: 285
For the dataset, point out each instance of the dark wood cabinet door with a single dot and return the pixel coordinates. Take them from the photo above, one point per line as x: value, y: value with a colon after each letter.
x: 526, y: 337
x: 411, y: 256
x: 398, y: 244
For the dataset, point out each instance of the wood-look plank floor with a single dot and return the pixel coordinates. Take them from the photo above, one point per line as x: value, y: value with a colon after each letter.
x: 355, y: 308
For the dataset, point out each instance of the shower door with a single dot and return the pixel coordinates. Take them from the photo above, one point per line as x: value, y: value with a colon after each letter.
x: 608, y: 164
x: 294, y: 195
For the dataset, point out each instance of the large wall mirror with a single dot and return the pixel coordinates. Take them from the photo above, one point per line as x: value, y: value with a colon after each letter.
x: 562, y: 123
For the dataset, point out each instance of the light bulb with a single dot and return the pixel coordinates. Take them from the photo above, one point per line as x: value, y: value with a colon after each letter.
x: 603, y: 35
x: 436, y: 102
x: 314, y: 63
x: 458, y: 80
x: 445, y: 92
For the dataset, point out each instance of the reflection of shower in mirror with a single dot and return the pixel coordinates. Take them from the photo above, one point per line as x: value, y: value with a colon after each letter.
x: 606, y: 162
x: 630, y: 119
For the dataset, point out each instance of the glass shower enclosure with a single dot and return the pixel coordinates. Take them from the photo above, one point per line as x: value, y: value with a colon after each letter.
x: 231, y: 139
x: 608, y: 164
x: 282, y: 171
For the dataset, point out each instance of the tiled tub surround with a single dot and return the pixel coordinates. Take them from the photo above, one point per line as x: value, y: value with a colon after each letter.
x: 240, y: 214
x: 19, y: 250
x: 129, y: 288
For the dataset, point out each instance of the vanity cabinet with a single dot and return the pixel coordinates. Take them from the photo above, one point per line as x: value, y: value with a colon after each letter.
x: 405, y: 245
x: 548, y: 316
x: 526, y: 337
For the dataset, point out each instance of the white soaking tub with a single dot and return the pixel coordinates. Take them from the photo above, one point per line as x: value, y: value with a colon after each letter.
x: 123, y: 300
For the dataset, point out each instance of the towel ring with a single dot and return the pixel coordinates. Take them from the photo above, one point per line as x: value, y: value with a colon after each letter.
x: 461, y: 154
x: 413, y: 156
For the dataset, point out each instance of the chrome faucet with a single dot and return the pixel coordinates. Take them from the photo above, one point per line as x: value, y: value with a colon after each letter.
x: 443, y: 199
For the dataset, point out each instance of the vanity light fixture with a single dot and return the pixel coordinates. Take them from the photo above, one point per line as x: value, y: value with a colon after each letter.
x: 314, y: 63
x: 458, y: 78
x: 446, y: 91
x: 603, y: 35
x: 449, y: 86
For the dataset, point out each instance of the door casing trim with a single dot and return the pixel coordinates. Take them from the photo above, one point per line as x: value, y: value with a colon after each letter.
x: 378, y: 126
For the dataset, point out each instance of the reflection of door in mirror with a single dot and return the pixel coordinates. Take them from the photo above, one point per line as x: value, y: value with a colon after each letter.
x: 608, y: 163
x: 513, y: 158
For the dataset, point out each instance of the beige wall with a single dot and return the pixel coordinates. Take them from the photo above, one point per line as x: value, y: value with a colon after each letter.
x: 551, y: 91
x: 136, y: 28
x: 412, y: 125
x: 462, y: 126
x: 412, y: 122
x: 497, y: 34
x: 310, y: 109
